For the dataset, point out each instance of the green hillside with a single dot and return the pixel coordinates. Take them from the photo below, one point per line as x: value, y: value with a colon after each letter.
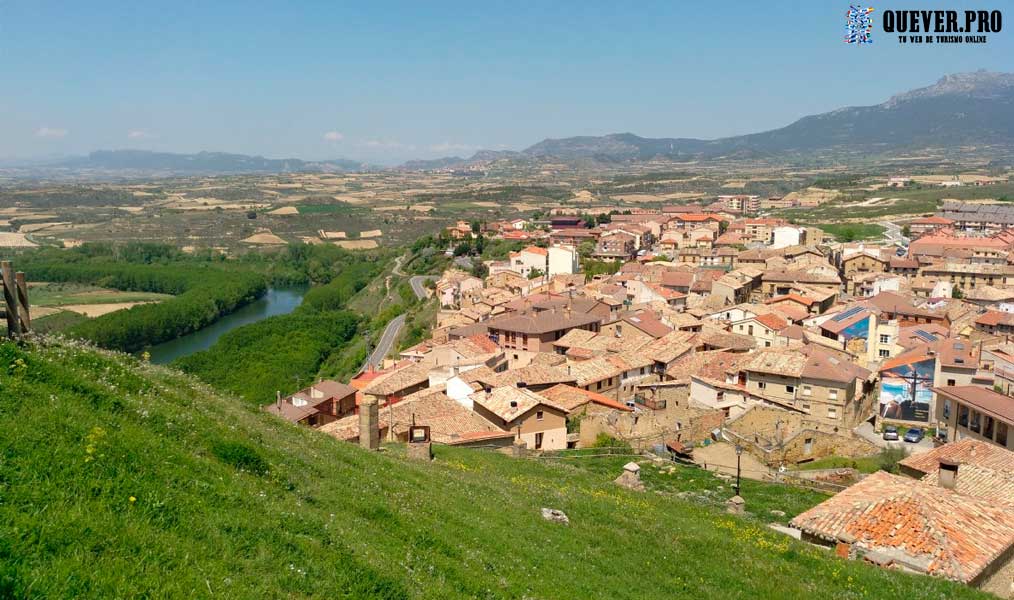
x: 119, y: 479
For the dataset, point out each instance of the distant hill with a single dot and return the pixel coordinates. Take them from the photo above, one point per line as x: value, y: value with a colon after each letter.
x: 144, y: 161
x: 965, y: 109
x: 121, y: 479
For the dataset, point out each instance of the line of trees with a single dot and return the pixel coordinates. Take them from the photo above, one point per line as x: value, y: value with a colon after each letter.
x: 201, y: 296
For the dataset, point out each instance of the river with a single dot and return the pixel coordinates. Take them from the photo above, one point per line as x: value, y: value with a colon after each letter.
x: 277, y: 301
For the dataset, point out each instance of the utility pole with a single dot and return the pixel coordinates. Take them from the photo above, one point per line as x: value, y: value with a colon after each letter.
x: 739, y: 455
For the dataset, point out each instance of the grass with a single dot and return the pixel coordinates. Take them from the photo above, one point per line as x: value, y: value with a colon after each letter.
x: 848, y: 232
x: 122, y: 479
x: 62, y: 294
x: 863, y: 464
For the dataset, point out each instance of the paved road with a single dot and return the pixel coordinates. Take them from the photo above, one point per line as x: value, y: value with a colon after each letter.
x: 418, y: 282
x: 866, y: 431
x: 386, y: 341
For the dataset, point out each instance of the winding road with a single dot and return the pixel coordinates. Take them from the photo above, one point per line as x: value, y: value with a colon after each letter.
x: 395, y: 325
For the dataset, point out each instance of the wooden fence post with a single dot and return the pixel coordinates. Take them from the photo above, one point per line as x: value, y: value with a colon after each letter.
x: 23, y: 310
x: 10, y: 299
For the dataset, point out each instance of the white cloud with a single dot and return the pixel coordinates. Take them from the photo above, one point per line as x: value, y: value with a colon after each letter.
x: 51, y: 132
x: 139, y: 134
x: 333, y: 136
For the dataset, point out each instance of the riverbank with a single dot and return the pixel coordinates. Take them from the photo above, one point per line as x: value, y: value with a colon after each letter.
x: 278, y: 300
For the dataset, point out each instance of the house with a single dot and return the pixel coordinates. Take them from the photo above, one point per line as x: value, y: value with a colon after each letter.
x: 971, y: 411
x: 524, y: 334
x: 999, y: 360
x: 895, y: 522
x: 924, y: 225
x: 460, y: 230
x: 566, y: 222
x: 810, y: 380
x: 561, y: 260
x: 740, y: 203
x: 448, y: 420
x: 766, y: 329
x: 615, y: 245
x: 577, y: 401
x: 321, y: 403
x: 535, y: 420
x: 974, y: 467
x: 530, y: 262
x: 453, y: 285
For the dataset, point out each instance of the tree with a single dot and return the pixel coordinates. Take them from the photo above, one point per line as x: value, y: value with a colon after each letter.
x: 956, y: 293
x: 585, y: 249
x: 480, y: 270
x: 462, y: 249
x: 476, y: 226
x: 535, y: 273
x: 906, y: 231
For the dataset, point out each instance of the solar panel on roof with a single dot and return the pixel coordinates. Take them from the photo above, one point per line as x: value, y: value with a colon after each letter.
x: 929, y: 337
x: 848, y: 313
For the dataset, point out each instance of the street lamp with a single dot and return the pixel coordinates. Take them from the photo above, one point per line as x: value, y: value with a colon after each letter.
x: 739, y: 454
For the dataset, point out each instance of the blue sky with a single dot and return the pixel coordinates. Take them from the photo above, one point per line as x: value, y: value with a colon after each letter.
x: 387, y: 81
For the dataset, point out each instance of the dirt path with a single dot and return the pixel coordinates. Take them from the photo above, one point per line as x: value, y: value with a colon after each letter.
x: 721, y: 458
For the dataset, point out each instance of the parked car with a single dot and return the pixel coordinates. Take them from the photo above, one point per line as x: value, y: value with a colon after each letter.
x: 891, y: 433
x: 914, y: 435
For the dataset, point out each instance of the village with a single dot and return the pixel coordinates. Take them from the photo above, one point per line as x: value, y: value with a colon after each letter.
x: 745, y: 344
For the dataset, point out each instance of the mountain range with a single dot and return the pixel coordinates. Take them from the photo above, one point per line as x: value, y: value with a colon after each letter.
x: 964, y: 109
x: 959, y: 112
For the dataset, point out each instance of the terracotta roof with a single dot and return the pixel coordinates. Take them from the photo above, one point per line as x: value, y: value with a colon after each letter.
x: 934, y: 220
x: 993, y: 404
x: 649, y: 324
x: 985, y: 470
x: 924, y: 527
x: 536, y: 250
x: 771, y: 321
x: 992, y: 318
x: 571, y: 398
x: 447, y: 419
x: 510, y: 402
x: 791, y: 297
x: 541, y: 322
x: 289, y: 411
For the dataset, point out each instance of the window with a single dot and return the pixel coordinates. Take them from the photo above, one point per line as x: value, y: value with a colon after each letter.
x: 976, y: 424
x: 885, y: 339
x: 832, y: 412
x: 947, y: 409
x: 539, y: 415
x: 962, y: 415
x: 750, y: 330
x: 767, y: 344
x: 832, y: 394
x: 951, y: 382
x: 884, y: 353
x: 1001, y: 433
x: 808, y: 446
x: 761, y: 385
x: 790, y: 389
x: 807, y: 390
x: 538, y: 441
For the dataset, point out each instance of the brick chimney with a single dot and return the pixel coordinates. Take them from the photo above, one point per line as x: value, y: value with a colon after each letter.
x: 948, y: 473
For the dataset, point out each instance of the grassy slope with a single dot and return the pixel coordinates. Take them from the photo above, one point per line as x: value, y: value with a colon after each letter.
x: 124, y: 480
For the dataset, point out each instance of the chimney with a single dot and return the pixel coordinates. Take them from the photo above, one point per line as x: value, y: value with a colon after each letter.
x: 514, y: 403
x: 948, y: 474
x: 521, y: 384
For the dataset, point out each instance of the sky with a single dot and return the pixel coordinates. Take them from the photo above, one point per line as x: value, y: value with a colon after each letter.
x: 388, y: 81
